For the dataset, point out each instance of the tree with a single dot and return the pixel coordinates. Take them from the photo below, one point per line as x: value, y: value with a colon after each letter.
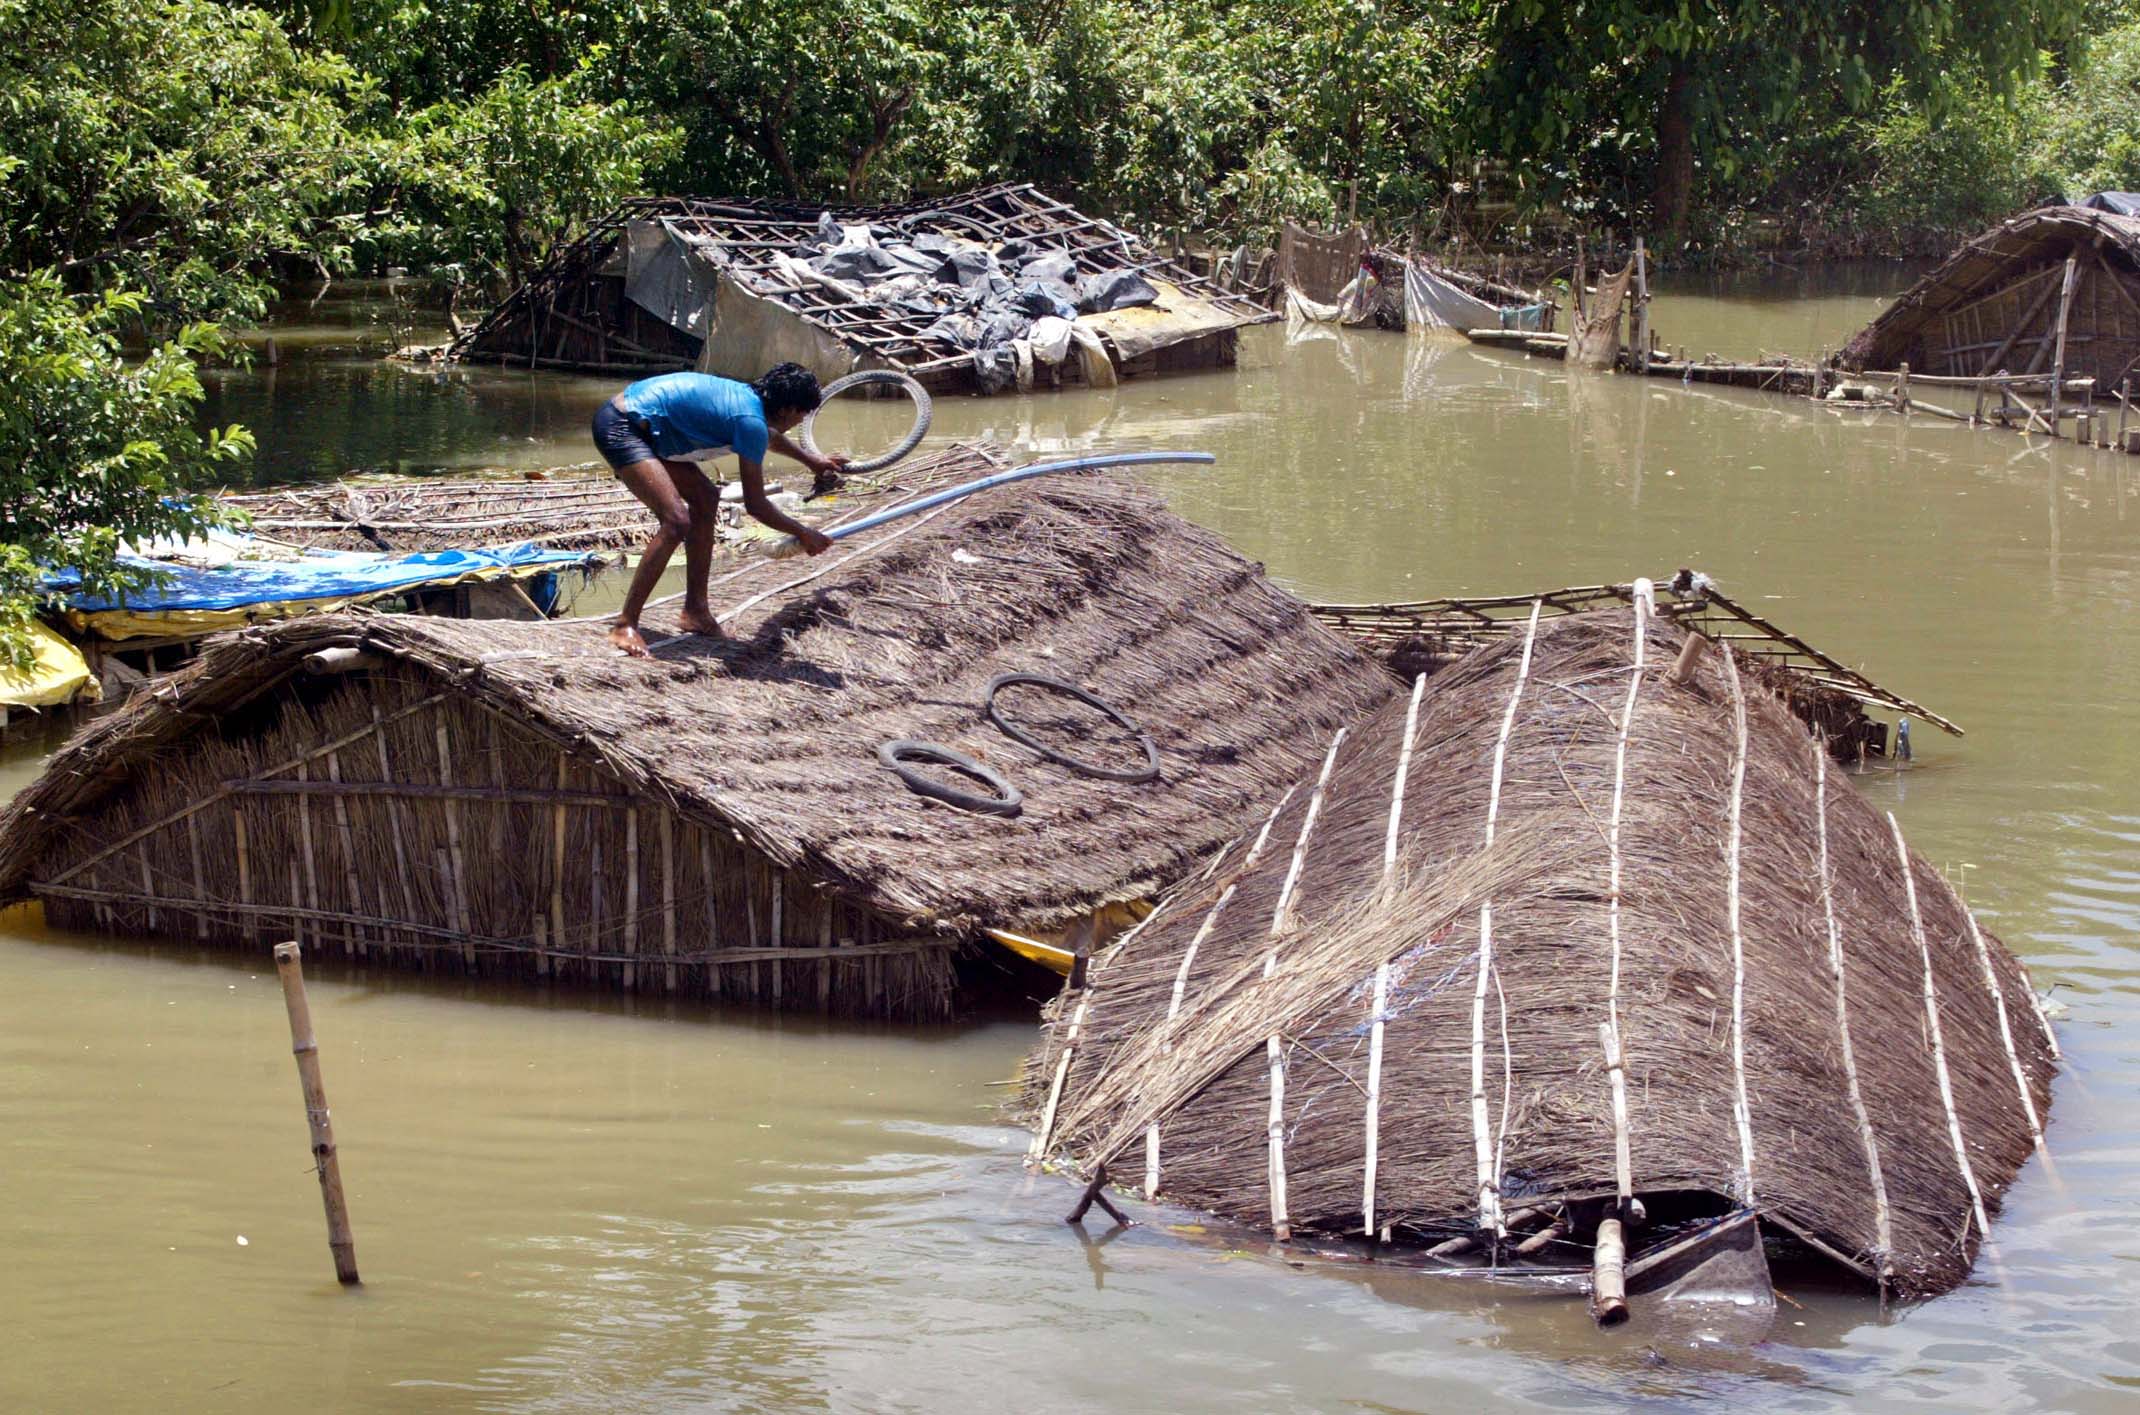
x: 95, y: 452
x: 1675, y: 83
x: 181, y: 148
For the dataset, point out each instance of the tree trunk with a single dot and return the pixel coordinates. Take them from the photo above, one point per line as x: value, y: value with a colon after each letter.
x: 1675, y: 157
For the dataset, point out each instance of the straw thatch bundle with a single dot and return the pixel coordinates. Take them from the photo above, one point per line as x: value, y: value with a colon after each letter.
x: 520, y: 799
x: 1471, y: 885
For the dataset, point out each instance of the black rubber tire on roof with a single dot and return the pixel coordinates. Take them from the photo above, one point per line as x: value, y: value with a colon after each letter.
x: 1148, y: 772
x: 924, y: 410
x: 894, y: 756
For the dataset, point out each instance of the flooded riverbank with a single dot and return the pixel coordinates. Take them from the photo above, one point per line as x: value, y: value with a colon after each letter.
x: 571, y: 1203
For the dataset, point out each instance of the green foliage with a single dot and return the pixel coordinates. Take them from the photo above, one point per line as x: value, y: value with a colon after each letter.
x: 182, y: 148
x: 486, y: 185
x: 2092, y: 128
x: 95, y: 451
x: 1939, y: 178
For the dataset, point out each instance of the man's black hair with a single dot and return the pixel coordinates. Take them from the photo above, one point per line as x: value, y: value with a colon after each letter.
x: 786, y: 386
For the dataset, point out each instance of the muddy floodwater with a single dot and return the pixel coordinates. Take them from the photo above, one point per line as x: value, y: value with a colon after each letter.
x: 565, y: 1204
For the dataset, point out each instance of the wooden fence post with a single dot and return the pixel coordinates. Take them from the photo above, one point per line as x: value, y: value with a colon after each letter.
x: 306, y: 1049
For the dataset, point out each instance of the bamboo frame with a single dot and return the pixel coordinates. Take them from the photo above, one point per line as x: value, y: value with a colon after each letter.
x: 1188, y: 958
x: 1883, y: 1222
x: 1742, y: 1109
x: 1274, y: 1045
x: 1490, y: 1218
x: 1934, y: 1034
x: 1644, y: 602
x: 1371, y: 1124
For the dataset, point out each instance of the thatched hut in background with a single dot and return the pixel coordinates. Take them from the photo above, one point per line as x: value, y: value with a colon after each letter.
x: 520, y: 800
x: 1392, y: 1008
x: 2052, y: 293
x: 732, y: 286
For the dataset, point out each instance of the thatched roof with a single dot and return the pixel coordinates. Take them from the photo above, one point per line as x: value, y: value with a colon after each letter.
x: 773, y: 733
x: 1711, y: 876
x: 571, y: 512
x: 1993, y: 303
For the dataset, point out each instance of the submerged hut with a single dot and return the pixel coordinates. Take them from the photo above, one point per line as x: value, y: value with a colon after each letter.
x: 1343, y: 277
x: 993, y: 289
x: 2037, y: 303
x: 520, y: 800
x: 1588, y: 931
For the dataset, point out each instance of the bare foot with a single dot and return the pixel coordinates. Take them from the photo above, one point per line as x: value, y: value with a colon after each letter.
x: 700, y: 621
x: 628, y: 638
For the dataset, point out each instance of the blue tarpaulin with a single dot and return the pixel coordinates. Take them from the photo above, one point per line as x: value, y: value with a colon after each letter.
x: 201, y: 592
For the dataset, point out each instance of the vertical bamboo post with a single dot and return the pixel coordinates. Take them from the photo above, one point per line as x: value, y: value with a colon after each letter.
x: 2058, y: 356
x: 1642, y: 306
x: 1742, y: 1107
x: 1902, y: 389
x: 713, y: 911
x: 148, y: 882
x: 1608, y: 1275
x: 397, y: 819
x: 631, y: 894
x: 200, y: 881
x: 779, y: 936
x: 354, y: 903
x: 311, y: 861
x: 458, y: 869
x: 557, y: 867
x: 245, y: 862
x: 2125, y: 404
x: 668, y: 896
x: 324, y: 1158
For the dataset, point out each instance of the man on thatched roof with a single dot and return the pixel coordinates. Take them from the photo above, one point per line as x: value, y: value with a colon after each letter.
x: 655, y: 434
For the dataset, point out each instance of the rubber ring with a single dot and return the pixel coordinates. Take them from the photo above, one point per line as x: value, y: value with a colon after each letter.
x: 1148, y: 772
x: 894, y: 756
x: 924, y: 410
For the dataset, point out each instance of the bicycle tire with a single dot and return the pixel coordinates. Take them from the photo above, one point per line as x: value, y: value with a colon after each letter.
x: 924, y: 411
x: 1148, y: 772
x: 894, y: 756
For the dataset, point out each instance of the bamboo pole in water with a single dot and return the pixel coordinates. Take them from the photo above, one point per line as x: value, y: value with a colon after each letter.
x: 324, y: 1157
x: 1608, y: 1275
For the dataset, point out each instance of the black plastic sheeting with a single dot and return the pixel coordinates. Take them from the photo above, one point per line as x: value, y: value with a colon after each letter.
x: 2121, y: 203
x: 984, y: 298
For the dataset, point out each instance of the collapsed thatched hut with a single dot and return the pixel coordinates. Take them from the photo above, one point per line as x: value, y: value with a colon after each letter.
x: 997, y: 288
x: 2052, y: 291
x: 520, y: 800
x: 1393, y: 1008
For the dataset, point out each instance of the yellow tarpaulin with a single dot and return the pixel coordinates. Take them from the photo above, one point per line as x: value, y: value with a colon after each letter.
x: 1177, y: 316
x: 60, y: 675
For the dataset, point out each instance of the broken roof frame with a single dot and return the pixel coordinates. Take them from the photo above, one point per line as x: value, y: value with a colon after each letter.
x: 1457, y: 625
x: 747, y: 237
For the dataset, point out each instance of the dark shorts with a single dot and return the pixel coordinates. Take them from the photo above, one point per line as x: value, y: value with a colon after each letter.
x: 621, y: 438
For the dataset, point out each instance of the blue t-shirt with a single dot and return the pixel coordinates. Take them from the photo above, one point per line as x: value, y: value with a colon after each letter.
x: 697, y: 416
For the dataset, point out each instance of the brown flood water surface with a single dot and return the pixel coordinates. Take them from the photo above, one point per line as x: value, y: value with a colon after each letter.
x: 565, y: 1203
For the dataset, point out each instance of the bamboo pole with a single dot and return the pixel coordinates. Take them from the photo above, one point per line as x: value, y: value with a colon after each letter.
x: 631, y: 894
x: 304, y: 844
x: 396, y: 814
x: 557, y: 868
x: 325, y: 1158
x: 713, y: 908
x: 1690, y: 654
x: 148, y: 882
x: 1489, y: 1185
x: 1608, y: 1275
x: 349, y: 850
x: 241, y: 849
x: 1372, y: 1124
x: 1742, y: 1110
x: 1274, y: 1045
x: 2006, y: 1029
x: 1645, y: 604
x: 779, y: 937
x: 1883, y: 1224
x: 200, y: 880
x: 668, y: 895
x: 2058, y: 359
x: 1938, y: 1041
x: 1188, y: 958
x: 457, y: 868
x: 1642, y: 306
